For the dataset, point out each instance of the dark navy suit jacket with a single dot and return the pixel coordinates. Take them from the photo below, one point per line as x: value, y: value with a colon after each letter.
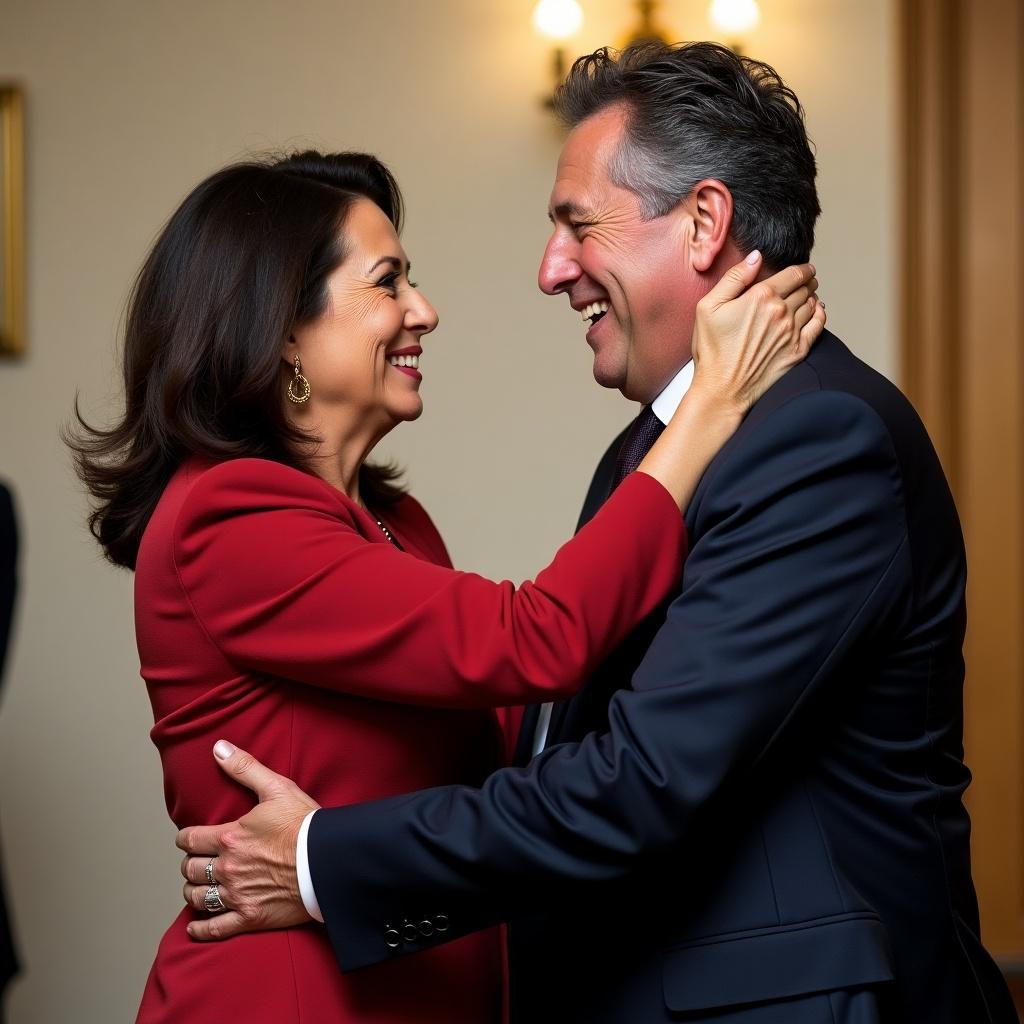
x: 753, y: 812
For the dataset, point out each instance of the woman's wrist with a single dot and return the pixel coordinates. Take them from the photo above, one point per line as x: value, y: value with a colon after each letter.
x: 694, y: 435
x: 705, y: 410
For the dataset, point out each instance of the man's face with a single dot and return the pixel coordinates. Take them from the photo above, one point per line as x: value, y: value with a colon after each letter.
x: 602, y: 251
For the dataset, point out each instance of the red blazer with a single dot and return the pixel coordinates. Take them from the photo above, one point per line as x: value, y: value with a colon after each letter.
x: 272, y: 611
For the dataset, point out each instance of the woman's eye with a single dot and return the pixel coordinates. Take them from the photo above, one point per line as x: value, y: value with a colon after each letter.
x: 390, y: 282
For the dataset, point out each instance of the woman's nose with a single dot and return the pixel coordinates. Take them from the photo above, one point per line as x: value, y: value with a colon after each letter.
x: 420, y: 317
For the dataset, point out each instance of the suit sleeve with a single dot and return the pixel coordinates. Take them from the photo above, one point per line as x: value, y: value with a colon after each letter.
x: 800, y: 529
x: 283, y: 582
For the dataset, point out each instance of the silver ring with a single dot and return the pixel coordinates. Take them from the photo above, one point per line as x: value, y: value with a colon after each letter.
x: 212, y: 901
x: 209, y: 872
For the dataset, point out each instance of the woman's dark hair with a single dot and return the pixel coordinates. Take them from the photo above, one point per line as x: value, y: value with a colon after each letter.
x: 240, y: 264
x: 696, y: 111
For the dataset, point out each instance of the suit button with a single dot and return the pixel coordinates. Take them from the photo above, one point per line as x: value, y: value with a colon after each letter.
x: 426, y: 928
x: 409, y: 932
x: 441, y: 922
x: 392, y: 938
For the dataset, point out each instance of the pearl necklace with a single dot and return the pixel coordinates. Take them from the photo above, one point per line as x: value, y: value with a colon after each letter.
x: 387, y: 533
x: 380, y: 526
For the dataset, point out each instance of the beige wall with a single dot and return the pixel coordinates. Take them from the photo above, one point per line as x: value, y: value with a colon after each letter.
x: 128, y: 105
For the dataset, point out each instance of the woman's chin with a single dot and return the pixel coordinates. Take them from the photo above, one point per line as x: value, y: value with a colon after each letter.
x: 406, y: 412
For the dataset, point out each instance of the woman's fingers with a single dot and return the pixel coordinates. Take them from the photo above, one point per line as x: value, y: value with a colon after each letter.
x: 736, y: 280
x: 809, y: 323
x: 787, y: 281
x: 812, y: 330
x: 742, y: 345
x: 792, y: 344
x: 791, y: 285
x: 796, y: 298
x: 806, y: 310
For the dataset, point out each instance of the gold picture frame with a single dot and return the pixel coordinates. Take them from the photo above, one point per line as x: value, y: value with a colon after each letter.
x: 12, y: 221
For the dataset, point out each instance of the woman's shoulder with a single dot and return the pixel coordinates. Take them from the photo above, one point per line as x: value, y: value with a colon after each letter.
x: 251, y: 481
x: 247, y: 495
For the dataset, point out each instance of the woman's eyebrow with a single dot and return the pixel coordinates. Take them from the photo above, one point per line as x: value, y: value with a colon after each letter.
x: 393, y: 260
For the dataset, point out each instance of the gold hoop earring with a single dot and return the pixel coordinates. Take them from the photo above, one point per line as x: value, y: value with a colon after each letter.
x: 300, y: 384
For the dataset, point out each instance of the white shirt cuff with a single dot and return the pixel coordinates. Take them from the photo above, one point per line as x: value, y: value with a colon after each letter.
x: 306, y: 890
x: 540, y: 737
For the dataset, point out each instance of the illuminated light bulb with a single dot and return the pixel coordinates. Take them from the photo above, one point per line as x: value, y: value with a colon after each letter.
x: 734, y: 17
x: 557, y: 19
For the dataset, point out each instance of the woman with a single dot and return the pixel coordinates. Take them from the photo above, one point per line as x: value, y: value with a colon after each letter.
x: 288, y: 593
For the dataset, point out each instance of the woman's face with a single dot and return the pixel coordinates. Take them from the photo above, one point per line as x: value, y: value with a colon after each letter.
x: 373, y: 322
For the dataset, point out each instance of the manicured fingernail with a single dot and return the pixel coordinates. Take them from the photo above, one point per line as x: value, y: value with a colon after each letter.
x: 191, y: 932
x: 820, y: 303
x: 223, y: 750
x: 754, y: 256
x: 814, y: 273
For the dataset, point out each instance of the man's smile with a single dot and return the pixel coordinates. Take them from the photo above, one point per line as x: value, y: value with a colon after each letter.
x: 593, y: 312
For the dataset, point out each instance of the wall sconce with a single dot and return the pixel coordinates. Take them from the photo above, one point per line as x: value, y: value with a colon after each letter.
x: 557, y: 20
x: 560, y: 19
x: 646, y: 30
x: 734, y: 19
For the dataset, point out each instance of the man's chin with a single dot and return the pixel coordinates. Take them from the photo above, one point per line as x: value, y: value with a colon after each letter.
x: 608, y: 376
x: 618, y: 382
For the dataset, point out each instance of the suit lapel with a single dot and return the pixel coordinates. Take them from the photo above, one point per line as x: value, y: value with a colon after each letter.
x: 597, y: 495
x: 601, y: 484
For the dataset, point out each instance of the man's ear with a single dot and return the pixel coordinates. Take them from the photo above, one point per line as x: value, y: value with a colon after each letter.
x: 709, y: 206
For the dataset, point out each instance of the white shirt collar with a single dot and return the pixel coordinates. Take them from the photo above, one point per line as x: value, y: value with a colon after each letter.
x: 665, y: 405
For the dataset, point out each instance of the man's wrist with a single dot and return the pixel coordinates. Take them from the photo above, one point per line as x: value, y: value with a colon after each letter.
x: 306, y: 890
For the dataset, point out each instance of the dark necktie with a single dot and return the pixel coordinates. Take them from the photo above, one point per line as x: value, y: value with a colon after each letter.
x: 642, y: 433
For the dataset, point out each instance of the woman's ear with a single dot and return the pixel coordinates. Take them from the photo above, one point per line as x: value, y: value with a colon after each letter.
x: 289, y: 350
x: 710, y: 207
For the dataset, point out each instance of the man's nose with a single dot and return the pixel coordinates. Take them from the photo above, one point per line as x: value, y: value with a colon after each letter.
x: 559, y: 268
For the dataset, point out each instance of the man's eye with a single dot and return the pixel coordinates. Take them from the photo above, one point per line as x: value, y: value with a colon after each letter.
x: 389, y: 281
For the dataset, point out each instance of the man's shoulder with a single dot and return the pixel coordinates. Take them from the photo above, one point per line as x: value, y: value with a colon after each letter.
x: 833, y: 370
x: 837, y: 379
x: 830, y: 414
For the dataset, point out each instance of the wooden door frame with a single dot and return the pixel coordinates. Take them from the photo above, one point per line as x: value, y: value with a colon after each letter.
x: 962, y: 335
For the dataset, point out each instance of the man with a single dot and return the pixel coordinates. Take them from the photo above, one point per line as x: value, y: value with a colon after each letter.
x: 752, y: 813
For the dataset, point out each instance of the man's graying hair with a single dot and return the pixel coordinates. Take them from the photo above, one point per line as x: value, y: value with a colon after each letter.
x: 697, y: 111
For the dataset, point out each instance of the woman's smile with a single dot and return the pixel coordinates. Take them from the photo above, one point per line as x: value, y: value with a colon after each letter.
x: 407, y: 361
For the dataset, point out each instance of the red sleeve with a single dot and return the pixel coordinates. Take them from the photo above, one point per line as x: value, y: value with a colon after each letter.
x: 283, y: 582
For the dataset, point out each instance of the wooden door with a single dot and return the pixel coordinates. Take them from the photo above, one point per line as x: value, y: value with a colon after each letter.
x: 963, y: 367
